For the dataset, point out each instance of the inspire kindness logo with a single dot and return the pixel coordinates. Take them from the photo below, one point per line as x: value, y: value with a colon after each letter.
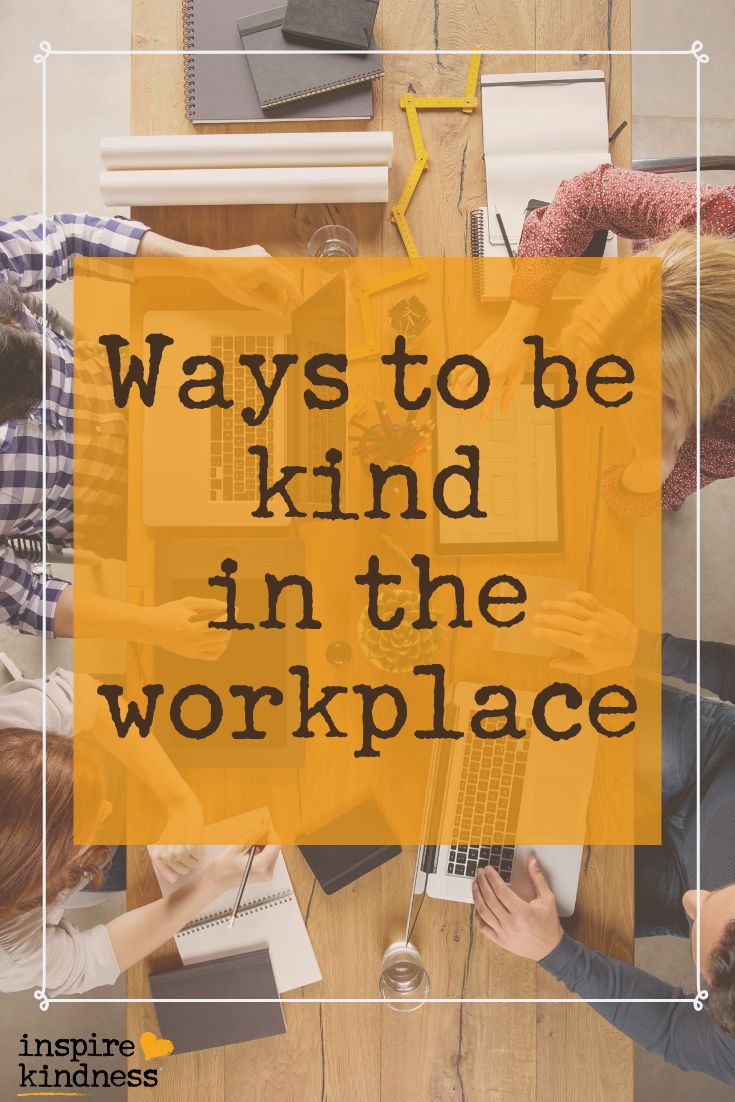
x: 68, y: 1064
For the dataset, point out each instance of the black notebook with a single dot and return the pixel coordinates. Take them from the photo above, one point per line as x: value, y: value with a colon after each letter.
x: 196, y: 1026
x: 332, y: 22
x: 300, y: 74
x: 336, y: 866
x: 220, y: 88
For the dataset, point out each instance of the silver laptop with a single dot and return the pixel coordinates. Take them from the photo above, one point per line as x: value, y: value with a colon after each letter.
x: 198, y: 471
x: 483, y: 791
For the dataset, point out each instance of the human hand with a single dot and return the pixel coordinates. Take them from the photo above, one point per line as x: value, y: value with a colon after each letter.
x: 227, y: 869
x: 185, y: 820
x: 602, y: 638
x: 181, y: 627
x: 171, y: 862
x: 505, y: 356
x: 529, y: 930
x: 258, y: 282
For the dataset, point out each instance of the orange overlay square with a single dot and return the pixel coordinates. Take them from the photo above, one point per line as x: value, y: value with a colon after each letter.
x: 403, y: 587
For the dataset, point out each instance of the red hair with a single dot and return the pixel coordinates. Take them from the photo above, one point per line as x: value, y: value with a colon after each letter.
x: 67, y: 865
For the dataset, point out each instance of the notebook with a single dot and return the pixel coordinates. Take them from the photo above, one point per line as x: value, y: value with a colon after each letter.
x: 523, y: 493
x: 220, y: 88
x: 269, y: 915
x: 495, y: 283
x: 301, y: 73
x: 332, y: 22
x: 194, y: 1027
x: 538, y: 130
x: 336, y: 866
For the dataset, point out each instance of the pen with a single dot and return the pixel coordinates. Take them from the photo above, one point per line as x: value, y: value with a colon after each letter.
x: 506, y: 242
x: 243, y: 884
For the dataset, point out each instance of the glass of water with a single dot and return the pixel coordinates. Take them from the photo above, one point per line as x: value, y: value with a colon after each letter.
x: 404, y: 981
x: 332, y: 242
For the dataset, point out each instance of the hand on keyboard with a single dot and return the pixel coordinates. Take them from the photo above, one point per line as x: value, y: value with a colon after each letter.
x: 529, y: 930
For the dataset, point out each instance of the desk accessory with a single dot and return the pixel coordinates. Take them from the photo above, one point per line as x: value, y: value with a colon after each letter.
x: 336, y: 866
x: 220, y: 88
x: 331, y: 22
x: 402, y: 648
x: 404, y: 982
x: 243, y: 885
x: 261, y: 150
x: 411, y: 104
x: 192, y: 1027
x: 268, y: 915
x: 538, y: 130
x: 332, y: 241
x: 300, y: 74
x: 503, y: 233
x: 237, y: 186
x: 526, y: 444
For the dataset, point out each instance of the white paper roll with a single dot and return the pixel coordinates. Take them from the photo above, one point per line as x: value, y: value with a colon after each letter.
x: 366, y: 147
x: 224, y: 186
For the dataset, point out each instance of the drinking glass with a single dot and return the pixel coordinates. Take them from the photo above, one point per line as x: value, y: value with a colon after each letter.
x: 332, y: 242
x: 404, y: 981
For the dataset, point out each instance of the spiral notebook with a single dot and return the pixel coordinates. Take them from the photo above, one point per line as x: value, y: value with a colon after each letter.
x: 269, y: 916
x: 301, y: 73
x: 538, y: 129
x: 220, y: 88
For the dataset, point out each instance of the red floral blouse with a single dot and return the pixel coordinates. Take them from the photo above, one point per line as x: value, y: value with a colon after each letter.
x: 646, y: 208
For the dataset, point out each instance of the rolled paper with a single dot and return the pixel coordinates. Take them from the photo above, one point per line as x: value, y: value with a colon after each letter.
x: 150, y: 151
x: 241, y: 186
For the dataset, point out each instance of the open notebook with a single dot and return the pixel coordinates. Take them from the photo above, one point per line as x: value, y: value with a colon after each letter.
x: 538, y: 130
x: 269, y: 915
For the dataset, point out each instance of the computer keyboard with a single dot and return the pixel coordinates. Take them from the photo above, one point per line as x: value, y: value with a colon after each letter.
x: 233, y: 472
x: 488, y: 806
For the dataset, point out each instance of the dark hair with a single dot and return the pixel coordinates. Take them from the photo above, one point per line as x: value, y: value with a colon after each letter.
x: 721, y: 1001
x: 21, y: 359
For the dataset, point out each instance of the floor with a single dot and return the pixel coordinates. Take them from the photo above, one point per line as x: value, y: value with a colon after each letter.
x: 663, y: 125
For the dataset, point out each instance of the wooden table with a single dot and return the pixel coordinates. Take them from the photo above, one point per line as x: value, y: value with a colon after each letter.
x: 508, y: 1052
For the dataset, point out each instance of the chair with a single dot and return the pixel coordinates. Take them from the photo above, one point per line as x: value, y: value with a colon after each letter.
x: 663, y: 165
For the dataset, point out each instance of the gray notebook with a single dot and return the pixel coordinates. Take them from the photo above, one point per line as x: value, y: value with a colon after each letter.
x: 220, y: 88
x: 196, y: 1026
x: 300, y: 74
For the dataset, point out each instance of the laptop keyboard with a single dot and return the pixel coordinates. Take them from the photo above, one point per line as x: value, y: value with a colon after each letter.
x: 233, y: 472
x: 491, y: 784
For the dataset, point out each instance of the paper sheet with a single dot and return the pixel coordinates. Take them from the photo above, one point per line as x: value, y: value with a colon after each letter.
x: 151, y: 151
x: 236, y: 186
x: 538, y: 130
x: 275, y: 921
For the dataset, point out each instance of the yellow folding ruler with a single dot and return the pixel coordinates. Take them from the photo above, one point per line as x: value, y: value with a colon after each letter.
x: 412, y: 104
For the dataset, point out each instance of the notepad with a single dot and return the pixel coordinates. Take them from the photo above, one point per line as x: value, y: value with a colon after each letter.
x: 269, y: 915
x: 192, y: 1028
x: 332, y: 22
x: 219, y: 87
x: 538, y: 130
x: 300, y: 74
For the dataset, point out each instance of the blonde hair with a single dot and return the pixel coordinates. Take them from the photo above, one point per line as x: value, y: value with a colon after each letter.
x: 625, y: 301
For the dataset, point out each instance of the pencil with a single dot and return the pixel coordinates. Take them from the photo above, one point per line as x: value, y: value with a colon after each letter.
x: 506, y: 242
x: 243, y: 884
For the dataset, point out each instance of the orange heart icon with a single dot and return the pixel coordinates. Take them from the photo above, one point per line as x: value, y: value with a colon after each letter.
x: 155, y: 1046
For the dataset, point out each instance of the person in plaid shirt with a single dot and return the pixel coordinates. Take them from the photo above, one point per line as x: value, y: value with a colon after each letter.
x: 25, y: 602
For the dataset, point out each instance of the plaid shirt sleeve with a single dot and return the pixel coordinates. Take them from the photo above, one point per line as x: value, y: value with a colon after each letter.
x: 67, y: 236
x: 24, y: 604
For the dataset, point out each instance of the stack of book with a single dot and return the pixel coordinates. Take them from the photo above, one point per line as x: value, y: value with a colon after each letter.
x: 309, y: 60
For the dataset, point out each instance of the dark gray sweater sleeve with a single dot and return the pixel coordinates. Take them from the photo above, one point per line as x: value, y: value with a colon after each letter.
x: 684, y: 1036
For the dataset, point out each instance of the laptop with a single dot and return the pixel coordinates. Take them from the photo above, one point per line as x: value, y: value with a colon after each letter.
x: 482, y: 796
x: 197, y: 468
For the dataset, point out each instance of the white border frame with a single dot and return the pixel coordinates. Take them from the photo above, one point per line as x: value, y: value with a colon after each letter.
x: 696, y: 51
